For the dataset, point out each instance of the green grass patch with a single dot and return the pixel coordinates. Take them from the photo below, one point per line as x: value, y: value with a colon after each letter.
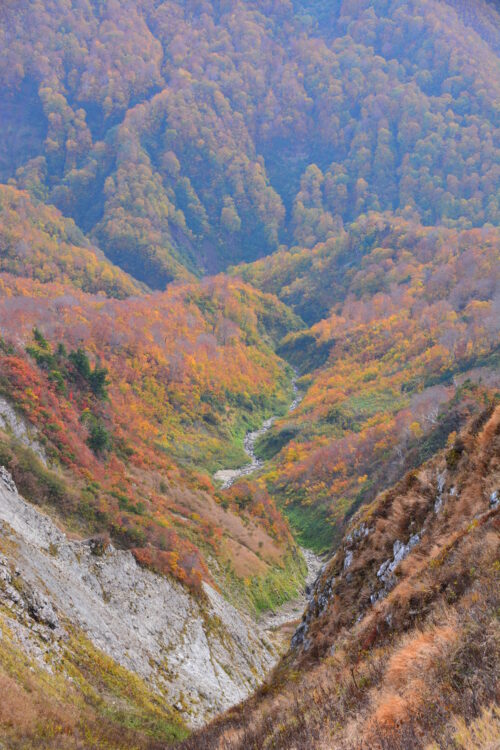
x: 268, y: 592
x: 311, y: 525
x: 280, y: 585
x: 270, y: 444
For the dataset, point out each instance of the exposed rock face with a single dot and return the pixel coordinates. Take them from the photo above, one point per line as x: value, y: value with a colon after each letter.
x: 41, y: 609
x: 441, y: 483
x: 6, y: 479
x: 318, y: 601
x: 324, y: 588
x: 385, y: 573
x: 204, y: 656
x: 20, y: 429
x: 363, y: 565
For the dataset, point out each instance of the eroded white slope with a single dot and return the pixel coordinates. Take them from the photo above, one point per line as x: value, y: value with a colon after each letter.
x: 203, y: 655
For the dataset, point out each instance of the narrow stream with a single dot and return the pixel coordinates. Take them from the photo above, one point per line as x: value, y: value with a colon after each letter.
x: 230, y: 476
x: 292, y: 609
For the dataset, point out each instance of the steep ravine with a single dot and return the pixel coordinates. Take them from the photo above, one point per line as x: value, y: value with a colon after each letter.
x: 202, y: 655
x: 291, y: 610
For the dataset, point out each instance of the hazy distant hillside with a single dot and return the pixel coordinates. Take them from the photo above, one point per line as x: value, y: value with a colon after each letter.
x: 186, y: 136
x: 37, y: 242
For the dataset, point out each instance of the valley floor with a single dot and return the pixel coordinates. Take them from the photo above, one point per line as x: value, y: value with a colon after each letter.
x: 279, y: 624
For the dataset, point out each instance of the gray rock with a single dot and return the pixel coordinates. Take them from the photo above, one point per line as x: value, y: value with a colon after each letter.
x: 20, y: 428
x: 441, y: 481
x: 205, y: 649
x: 299, y: 635
x: 41, y: 609
x: 383, y: 568
x: 6, y: 478
x: 5, y: 574
x: 361, y: 532
x: 348, y: 559
x: 386, y: 571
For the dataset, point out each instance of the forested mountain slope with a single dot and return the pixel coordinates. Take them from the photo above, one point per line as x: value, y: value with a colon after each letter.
x: 114, y: 413
x: 403, y: 345
x: 137, y: 401
x: 193, y: 135
x: 37, y: 242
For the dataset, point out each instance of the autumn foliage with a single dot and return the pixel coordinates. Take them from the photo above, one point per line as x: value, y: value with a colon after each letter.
x: 410, y: 664
x: 37, y: 242
x: 197, y: 197
x: 191, y: 135
x: 406, y: 348
x: 137, y: 400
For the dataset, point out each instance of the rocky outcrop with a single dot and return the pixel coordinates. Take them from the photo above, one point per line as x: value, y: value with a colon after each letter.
x: 386, y: 572
x: 201, y: 654
x: 19, y: 428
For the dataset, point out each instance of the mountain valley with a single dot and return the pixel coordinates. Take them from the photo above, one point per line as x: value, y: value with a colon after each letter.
x: 249, y: 374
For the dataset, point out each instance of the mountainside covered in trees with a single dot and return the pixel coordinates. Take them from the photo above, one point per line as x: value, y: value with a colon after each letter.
x: 116, y: 407
x: 205, y: 206
x: 403, y: 347
x: 187, y: 136
x: 136, y: 401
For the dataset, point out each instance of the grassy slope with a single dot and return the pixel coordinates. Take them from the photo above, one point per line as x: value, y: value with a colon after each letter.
x: 87, y: 701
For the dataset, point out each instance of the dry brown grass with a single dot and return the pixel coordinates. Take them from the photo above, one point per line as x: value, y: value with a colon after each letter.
x: 481, y: 734
x: 391, y: 711
x: 16, y: 706
x: 417, y: 654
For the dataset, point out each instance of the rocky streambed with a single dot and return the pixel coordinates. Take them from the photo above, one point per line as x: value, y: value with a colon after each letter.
x: 291, y: 610
x: 228, y: 477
